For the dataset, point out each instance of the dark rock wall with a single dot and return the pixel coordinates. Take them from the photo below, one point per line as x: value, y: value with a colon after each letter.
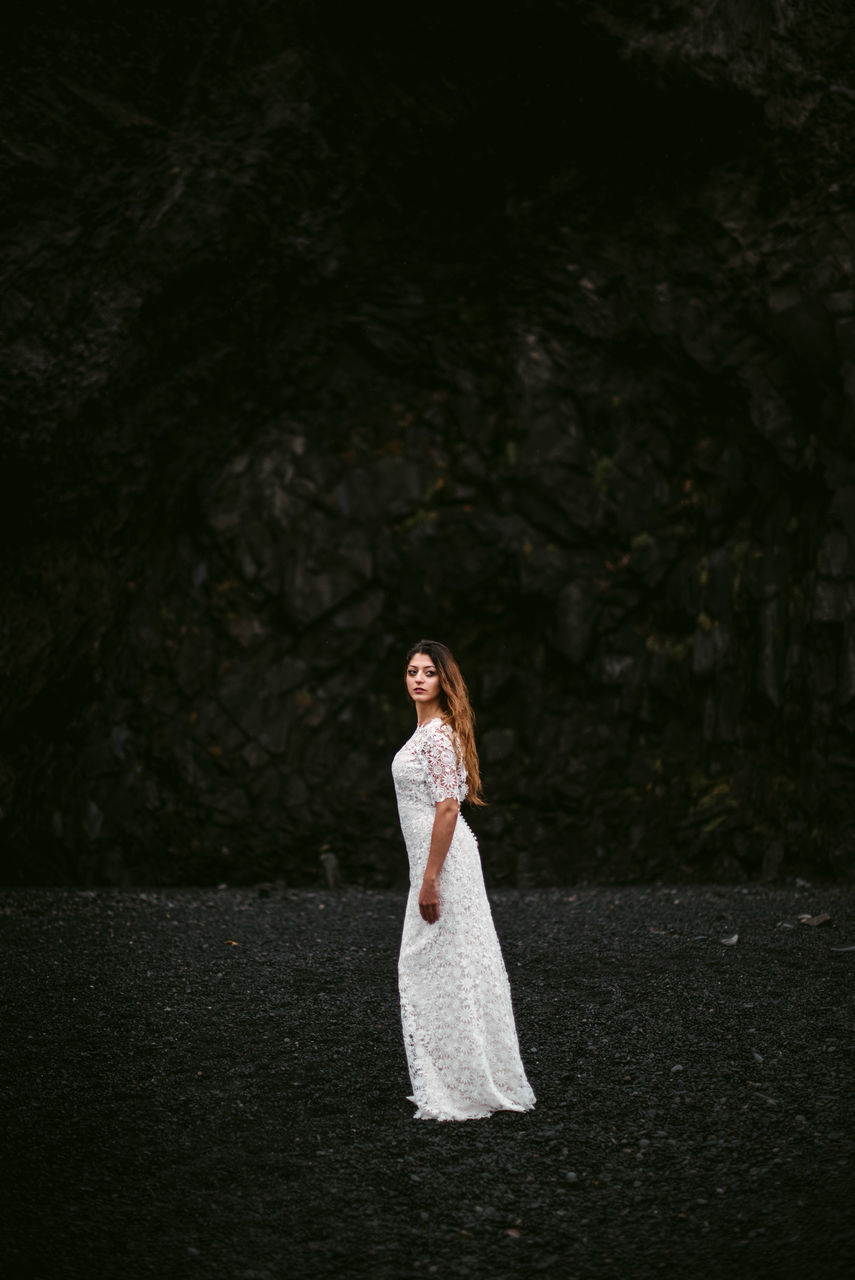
x: 328, y: 326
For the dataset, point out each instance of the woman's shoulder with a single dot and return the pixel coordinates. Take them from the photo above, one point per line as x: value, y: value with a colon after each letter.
x: 439, y: 728
x: 445, y: 734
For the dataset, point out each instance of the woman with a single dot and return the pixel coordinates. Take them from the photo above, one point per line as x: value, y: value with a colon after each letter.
x: 458, y: 1023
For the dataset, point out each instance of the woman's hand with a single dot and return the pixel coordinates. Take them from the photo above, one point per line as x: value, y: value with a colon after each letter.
x: 444, y: 819
x: 429, y: 901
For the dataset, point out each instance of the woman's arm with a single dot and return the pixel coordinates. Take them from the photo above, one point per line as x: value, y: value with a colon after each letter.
x: 444, y: 821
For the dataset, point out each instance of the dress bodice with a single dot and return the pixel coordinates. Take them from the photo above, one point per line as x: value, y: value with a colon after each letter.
x: 428, y: 769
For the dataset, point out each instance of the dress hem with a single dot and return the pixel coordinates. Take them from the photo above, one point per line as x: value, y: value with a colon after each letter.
x: 425, y: 1113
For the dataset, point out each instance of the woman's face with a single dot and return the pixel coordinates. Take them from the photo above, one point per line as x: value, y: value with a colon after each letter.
x: 422, y: 679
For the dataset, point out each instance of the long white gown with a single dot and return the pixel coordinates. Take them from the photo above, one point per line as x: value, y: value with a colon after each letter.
x: 458, y: 1023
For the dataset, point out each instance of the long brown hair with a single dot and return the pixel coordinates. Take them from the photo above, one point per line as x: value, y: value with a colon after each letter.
x: 455, y: 709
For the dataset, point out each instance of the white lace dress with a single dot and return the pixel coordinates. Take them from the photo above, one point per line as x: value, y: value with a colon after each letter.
x: 456, y: 1012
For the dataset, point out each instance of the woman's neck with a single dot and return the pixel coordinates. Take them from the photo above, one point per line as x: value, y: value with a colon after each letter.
x: 426, y: 713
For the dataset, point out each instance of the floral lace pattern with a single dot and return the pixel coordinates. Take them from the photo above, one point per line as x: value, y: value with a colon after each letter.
x: 458, y: 1022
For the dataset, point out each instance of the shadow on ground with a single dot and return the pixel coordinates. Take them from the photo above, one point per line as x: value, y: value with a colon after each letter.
x: 212, y: 1084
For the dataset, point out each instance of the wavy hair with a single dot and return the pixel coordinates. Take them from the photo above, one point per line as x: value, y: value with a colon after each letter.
x: 456, y: 710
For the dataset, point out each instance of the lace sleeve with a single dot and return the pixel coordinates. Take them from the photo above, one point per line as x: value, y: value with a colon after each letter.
x: 442, y: 779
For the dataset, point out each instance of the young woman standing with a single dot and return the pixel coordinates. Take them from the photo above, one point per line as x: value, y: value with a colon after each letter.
x: 458, y: 1023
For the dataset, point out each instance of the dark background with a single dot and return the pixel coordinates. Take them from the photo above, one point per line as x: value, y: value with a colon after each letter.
x: 530, y: 328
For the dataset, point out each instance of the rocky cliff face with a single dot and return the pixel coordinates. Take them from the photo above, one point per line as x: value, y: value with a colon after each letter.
x: 333, y: 325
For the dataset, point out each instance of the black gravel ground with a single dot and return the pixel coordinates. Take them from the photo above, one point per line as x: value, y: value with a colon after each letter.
x: 212, y: 1084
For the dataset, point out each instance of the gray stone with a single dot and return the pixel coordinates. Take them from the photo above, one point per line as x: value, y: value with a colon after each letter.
x: 576, y: 613
x: 93, y: 821
x: 332, y: 870
x: 834, y: 554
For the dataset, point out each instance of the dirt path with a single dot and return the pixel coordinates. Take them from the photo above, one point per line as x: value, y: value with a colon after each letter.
x: 212, y: 1084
